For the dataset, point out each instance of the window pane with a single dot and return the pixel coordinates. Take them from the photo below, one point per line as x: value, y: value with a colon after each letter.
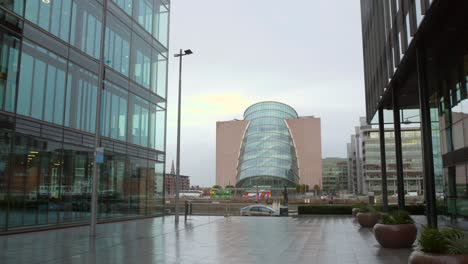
x: 126, y: 5
x: 49, y: 94
x: 160, y: 129
x: 77, y: 178
x: 419, y: 15
x: 141, y: 61
x: 117, y: 48
x: 460, y: 181
x: 41, y: 84
x: 112, y: 186
x: 8, y: 70
x: 145, y: 14
x: 159, y: 74
x: 81, y: 99
x: 114, y: 105
x: 35, y: 178
x: 14, y: 5
x: 140, y: 121
x: 53, y: 16
x: 161, y: 22
x: 86, y: 27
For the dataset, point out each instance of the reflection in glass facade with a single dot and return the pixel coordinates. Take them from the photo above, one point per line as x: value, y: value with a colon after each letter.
x: 453, y: 123
x: 440, y: 70
x: 412, y: 161
x: 49, y: 87
x: 334, y: 175
x: 267, y: 156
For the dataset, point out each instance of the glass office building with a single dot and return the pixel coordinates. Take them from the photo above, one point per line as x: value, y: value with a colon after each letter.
x: 416, y: 58
x: 334, y: 176
x: 268, y: 156
x: 50, y: 60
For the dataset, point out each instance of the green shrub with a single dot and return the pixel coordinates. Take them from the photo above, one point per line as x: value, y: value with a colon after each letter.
x: 368, y: 209
x: 447, y: 240
x: 458, y: 245
x: 343, y: 209
x: 411, y: 209
x: 398, y: 217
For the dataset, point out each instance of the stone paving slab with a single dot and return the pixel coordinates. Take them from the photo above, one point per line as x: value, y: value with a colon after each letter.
x: 315, y: 239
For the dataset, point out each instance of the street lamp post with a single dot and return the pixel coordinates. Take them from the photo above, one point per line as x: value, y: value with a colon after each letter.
x: 179, y: 55
x: 98, y: 156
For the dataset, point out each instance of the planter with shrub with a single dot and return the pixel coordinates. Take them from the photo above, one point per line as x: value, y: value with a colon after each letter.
x: 368, y: 216
x: 397, y: 230
x: 355, y: 211
x: 441, y: 247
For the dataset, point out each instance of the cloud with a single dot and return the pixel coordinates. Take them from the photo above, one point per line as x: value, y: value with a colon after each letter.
x: 207, y: 108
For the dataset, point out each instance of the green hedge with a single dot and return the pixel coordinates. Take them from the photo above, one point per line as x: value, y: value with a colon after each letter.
x: 335, y: 209
x: 324, y: 209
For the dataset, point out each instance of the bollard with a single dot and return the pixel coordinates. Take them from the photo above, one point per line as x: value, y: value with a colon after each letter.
x: 186, y: 210
x: 190, y: 208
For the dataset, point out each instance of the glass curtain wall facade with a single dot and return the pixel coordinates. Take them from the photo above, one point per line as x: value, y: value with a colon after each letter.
x: 417, y: 52
x: 49, y: 86
x: 267, y: 156
x: 334, y: 175
x: 453, y: 122
x: 412, y: 162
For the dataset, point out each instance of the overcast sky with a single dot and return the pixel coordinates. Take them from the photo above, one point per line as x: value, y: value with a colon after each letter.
x: 305, y: 53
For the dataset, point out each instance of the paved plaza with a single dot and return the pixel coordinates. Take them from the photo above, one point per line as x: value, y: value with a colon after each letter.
x: 315, y: 239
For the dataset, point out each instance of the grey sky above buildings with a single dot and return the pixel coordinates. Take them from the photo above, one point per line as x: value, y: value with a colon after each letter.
x: 305, y: 53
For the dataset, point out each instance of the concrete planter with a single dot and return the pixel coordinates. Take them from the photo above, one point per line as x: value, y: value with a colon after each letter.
x: 368, y: 219
x: 355, y: 211
x: 395, y: 236
x: 419, y: 257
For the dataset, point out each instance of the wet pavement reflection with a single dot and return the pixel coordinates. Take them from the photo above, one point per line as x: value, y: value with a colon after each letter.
x: 205, y: 239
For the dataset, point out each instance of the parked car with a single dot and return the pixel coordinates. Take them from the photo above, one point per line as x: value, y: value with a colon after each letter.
x: 259, y: 210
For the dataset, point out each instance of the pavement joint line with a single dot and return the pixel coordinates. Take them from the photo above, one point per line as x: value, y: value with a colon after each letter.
x: 128, y: 240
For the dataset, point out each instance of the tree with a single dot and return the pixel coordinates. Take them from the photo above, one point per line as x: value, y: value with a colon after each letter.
x: 316, y: 189
x: 216, y: 186
x: 298, y: 188
x: 229, y: 187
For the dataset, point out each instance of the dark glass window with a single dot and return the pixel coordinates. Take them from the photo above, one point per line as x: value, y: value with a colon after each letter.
x: 80, y: 110
x: 126, y: 5
x: 114, y: 112
x: 41, y: 84
x: 86, y: 26
x: 76, y: 184
x: 117, y: 45
x: 112, y: 187
x: 53, y: 16
x: 6, y: 140
x: 464, y: 100
x: 8, y: 71
x: 141, y: 61
x: 14, y: 5
x: 34, y: 185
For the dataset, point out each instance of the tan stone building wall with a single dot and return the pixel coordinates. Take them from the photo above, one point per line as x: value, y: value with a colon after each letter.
x: 306, y: 134
x: 229, y: 137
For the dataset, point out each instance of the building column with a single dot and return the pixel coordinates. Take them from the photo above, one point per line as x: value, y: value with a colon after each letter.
x: 426, y: 138
x: 398, y: 154
x: 383, y: 161
x: 359, y: 177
